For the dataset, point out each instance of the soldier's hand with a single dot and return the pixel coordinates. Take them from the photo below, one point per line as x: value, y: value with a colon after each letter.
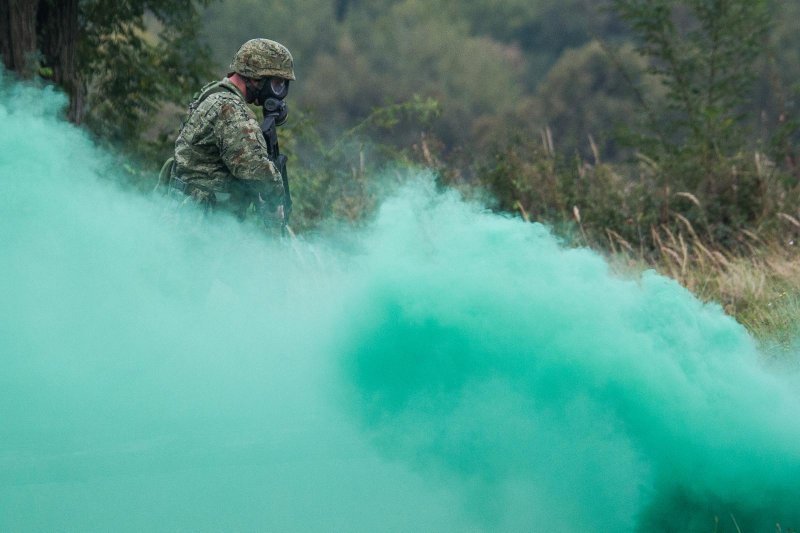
x: 268, y: 213
x: 273, y: 218
x: 279, y: 213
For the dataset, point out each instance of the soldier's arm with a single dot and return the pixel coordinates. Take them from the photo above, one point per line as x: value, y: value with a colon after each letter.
x: 244, y: 151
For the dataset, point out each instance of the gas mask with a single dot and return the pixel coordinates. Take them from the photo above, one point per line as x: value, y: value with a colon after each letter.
x: 269, y: 94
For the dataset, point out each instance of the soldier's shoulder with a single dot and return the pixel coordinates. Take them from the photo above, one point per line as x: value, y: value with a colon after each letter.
x: 226, y: 105
x: 224, y: 98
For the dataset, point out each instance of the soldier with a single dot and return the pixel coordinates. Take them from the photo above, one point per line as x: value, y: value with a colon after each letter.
x: 221, y: 159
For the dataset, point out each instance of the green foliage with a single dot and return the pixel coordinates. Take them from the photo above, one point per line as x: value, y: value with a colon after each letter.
x: 413, y: 49
x: 337, y: 180
x: 776, y: 322
x: 581, y: 200
x: 544, y: 29
x: 135, y: 56
x: 591, y: 78
x: 778, y: 90
x: 304, y: 25
x: 703, y: 51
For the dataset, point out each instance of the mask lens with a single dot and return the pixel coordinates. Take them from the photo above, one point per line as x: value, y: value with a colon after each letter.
x: 279, y: 87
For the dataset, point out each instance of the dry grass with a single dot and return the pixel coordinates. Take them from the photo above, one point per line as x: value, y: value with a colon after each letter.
x: 760, y: 286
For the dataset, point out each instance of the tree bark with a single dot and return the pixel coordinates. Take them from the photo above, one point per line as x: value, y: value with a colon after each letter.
x: 41, y: 37
x: 57, y: 27
x: 5, y: 38
x: 18, y: 35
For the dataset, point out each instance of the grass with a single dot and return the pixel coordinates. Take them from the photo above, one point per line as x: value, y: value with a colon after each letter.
x: 760, y: 288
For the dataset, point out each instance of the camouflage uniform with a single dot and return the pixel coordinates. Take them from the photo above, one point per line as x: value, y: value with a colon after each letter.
x: 221, y: 157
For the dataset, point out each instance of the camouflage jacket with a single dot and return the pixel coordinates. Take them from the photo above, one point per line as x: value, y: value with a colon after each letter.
x: 220, y: 148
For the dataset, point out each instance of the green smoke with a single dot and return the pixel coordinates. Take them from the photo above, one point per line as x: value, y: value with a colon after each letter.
x: 447, y: 370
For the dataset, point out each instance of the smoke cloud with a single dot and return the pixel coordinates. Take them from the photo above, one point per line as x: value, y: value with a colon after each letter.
x: 448, y: 369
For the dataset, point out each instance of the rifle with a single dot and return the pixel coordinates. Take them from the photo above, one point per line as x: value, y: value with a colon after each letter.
x: 274, y: 115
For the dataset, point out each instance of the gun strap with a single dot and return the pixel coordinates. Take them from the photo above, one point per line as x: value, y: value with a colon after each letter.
x: 208, y: 90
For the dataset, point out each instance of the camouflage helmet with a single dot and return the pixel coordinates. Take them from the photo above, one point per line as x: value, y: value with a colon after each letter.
x: 259, y: 58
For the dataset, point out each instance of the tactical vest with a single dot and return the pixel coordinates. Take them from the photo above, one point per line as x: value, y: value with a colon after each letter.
x: 199, y: 97
x: 168, y: 168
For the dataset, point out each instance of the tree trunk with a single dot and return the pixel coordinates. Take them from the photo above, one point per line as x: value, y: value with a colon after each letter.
x: 41, y: 37
x: 5, y: 38
x: 57, y: 27
x: 18, y: 35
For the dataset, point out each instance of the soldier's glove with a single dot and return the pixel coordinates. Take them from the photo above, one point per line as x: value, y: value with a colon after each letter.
x: 278, y: 213
x: 271, y: 216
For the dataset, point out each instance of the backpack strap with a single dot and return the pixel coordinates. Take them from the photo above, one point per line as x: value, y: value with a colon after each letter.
x: 212, y: 88
x: 199, y: 97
